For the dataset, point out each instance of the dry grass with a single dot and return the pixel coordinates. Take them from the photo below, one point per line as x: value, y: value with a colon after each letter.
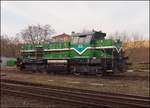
x: 137, y: 51
x: 137, y: 44
x: 138, y: 55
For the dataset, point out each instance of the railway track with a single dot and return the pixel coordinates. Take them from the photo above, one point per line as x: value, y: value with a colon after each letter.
x: 71, y: 96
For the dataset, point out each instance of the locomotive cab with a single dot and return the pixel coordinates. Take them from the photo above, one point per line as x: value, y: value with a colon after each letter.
x: 84, y: 45
x: 98, y: 36
x: 81, y: 39
x: 95, y: 54
x: 91, y: 37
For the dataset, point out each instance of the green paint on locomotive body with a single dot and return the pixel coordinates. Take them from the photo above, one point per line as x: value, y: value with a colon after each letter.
x: 50, y: 51
x: 47, y: 46
x: 95, y: 50
x: 69, y: 50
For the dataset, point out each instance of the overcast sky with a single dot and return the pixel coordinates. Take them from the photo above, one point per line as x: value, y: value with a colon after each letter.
x: 68, y: 16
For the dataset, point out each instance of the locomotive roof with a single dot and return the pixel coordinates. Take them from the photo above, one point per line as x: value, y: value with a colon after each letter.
x: 88, y: 33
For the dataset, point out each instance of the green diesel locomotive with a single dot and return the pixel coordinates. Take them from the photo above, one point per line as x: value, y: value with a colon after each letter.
x: 86, y: 53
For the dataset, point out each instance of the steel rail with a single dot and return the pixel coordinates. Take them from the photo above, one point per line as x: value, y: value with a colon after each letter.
x: 104, y: 100
x: 49, y: 98
x: 71, y: 89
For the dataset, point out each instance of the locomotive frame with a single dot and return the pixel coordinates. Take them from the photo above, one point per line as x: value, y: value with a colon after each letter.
x: 85, y: 53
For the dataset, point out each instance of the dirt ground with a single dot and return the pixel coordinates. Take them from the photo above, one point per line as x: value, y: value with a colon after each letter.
x: 13, y: 101
x: 138, y: 55
x: 132, y: 82
x: 136, y: 83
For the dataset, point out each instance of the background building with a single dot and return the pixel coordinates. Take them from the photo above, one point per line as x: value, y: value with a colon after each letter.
x: 61, y: 38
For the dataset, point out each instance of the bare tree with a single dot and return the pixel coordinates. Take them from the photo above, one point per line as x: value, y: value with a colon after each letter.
x: 37, y: 34
x: 10, y: 46
x: 132, y: 40
x: 123, y: 36
x: 137, y: 40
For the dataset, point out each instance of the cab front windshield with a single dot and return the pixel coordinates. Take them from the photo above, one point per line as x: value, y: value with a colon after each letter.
x: 81, y: 39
